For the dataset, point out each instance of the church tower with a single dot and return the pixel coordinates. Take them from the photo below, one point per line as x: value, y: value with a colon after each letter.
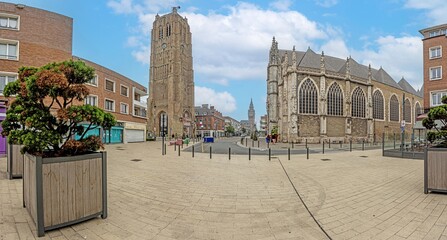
x: 251, y: 117
x: 273, y: 70
x: 171, y: 82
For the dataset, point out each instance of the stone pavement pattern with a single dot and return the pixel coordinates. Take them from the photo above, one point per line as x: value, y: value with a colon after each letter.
x: 172, y: 197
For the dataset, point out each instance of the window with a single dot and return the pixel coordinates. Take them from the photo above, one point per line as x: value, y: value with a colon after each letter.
x: 110, y: 85
x: 124, y: 91
x: 137, y: 97
x: 435, y: 52
x: 436, y: 98
x: 160, y: 32
x: 9, y: 22
x: 394, y: 109
x: 407, y: 115
x: 437, y: 33
x: 378, y: 112
x: 335, y: 100
x: 417, y: 110
x: 168, y: 30
x: 124, y: 108
x: 5, y: 79
x: 8, y: 50
x: 308, y: 98
x: 109, y: 105
x: 93, y: 81
x: 91, y: 100
x: 358, y: 103
x: 435, y: 73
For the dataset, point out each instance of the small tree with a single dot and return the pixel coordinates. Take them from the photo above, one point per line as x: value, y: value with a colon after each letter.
x: 44, y: 116
x: 229, y: 129
x: 440, y: 133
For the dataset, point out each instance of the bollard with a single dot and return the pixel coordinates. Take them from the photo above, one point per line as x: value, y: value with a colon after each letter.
x: 394, y: 137
x: 350, y: 145
x: 268, y: 144
x: 258, y: 143
x: 175, y: 147
x: 229, y: 153
x: 270, y: 154
x: 306, y: 142
x: 329, y: 143
x: 182, y: 144
x: 323, y: 147
x: 383, y: 144
x: 292, y: 144
x: 211, y: 152
x: 249, y: 154
x: 192, y: 151
x: 179, y: 151
x: 307, y: 152
x: 288, y: 152
x: 363, y: 145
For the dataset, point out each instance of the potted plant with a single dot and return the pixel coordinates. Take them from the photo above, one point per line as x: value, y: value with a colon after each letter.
x: 64, y: 180
x: 435, y: 161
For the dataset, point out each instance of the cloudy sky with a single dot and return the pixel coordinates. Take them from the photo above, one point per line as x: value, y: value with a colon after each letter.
x: 231, y: 39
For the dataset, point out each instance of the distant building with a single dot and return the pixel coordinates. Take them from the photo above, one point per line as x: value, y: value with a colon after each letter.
x: 171, y: 80
x: 245, y: 127
x: 251, y: 118
x: 209, y: 121
x: 233, y: 122
x: 318, y: 98
x: 435, y: 65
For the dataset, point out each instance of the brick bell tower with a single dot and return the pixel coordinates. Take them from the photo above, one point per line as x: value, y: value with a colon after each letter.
x: 171, y: 81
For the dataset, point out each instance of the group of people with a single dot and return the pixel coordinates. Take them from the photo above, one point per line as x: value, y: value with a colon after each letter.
x: 272, y: 138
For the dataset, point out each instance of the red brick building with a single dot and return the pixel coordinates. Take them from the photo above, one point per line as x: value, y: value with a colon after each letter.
x: 35, y: 37
x: 209, y: 121
x: 435, y: 66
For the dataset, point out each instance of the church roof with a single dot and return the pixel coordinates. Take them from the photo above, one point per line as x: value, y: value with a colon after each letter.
x: 407, y: 87
x: 310, y: 59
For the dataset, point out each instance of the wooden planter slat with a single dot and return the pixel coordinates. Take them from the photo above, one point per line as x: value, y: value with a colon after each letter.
x: 14, y: 161
x: 65, y: 190
x: 435, y: 170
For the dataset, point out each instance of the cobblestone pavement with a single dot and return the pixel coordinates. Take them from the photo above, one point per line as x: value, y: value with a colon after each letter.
x: 352, y: 195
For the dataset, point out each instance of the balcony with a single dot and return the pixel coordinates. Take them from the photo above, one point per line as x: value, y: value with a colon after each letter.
x: 139, y: 111
x: 137, y: 97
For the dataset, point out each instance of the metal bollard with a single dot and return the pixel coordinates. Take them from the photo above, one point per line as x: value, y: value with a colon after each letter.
x: 394, y: 137
x: 258, y: 143
x: 270, y: 154
x: 307, y: 152
x: 288, y: 152
x: 211, y: 152
x: 249, y: 154
x: 323, y: 147
x: 306, y: 142
x: 350, y: 145
x: 363, y: 145
x: 179, y: 151
x: 175, y: 147
x: 192, y: 151
x: 229, y: 153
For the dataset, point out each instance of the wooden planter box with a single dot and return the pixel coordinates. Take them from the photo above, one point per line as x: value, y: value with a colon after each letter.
x: 435, y: 170
x: 14, y: 161
x: 62, y: 191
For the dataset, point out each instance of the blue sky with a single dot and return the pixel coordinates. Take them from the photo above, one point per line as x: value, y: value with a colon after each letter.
x: 231, y: 39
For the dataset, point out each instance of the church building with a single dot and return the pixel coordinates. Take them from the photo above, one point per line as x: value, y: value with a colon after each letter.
x: 322, y: 98
x: 171, y: 81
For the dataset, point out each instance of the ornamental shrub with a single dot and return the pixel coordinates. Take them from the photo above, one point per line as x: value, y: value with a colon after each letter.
x: 439, y: 134
x: 46, y: 112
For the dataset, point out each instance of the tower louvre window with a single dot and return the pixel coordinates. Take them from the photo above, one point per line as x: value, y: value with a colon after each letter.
x: 160, y: 32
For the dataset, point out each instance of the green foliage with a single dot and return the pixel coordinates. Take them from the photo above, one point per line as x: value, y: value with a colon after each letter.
x: 439, y: 134
x: 274, y: 130
x: 44, y: 116
x: 229, y: 128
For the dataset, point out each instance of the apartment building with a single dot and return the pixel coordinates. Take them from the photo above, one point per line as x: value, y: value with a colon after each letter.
x: 435, y: 66
x: 34, y: 37
x: 233, y: 122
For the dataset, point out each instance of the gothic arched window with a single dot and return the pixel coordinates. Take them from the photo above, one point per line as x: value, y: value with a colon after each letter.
x: 335, y: 100
x: 308, y: 98
x: 407, y: 111
x: 417, y: 110
x: 160, y: 32
x: 168, y: 30
x: 358, y: 103
x: 378, y: 112
x: 394, y: 109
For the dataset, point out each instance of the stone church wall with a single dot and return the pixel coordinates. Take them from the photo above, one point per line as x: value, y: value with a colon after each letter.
x: 335, y: 126
x: 359, y: 128
x: 309, y: 126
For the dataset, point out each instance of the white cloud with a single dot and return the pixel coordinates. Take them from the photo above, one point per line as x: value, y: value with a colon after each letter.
x: 436, y: 9
x: 326, y: 3
x: 336, y: 48
x: 224, y: 102
x: 281, y: 5
x: 399, y: 56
